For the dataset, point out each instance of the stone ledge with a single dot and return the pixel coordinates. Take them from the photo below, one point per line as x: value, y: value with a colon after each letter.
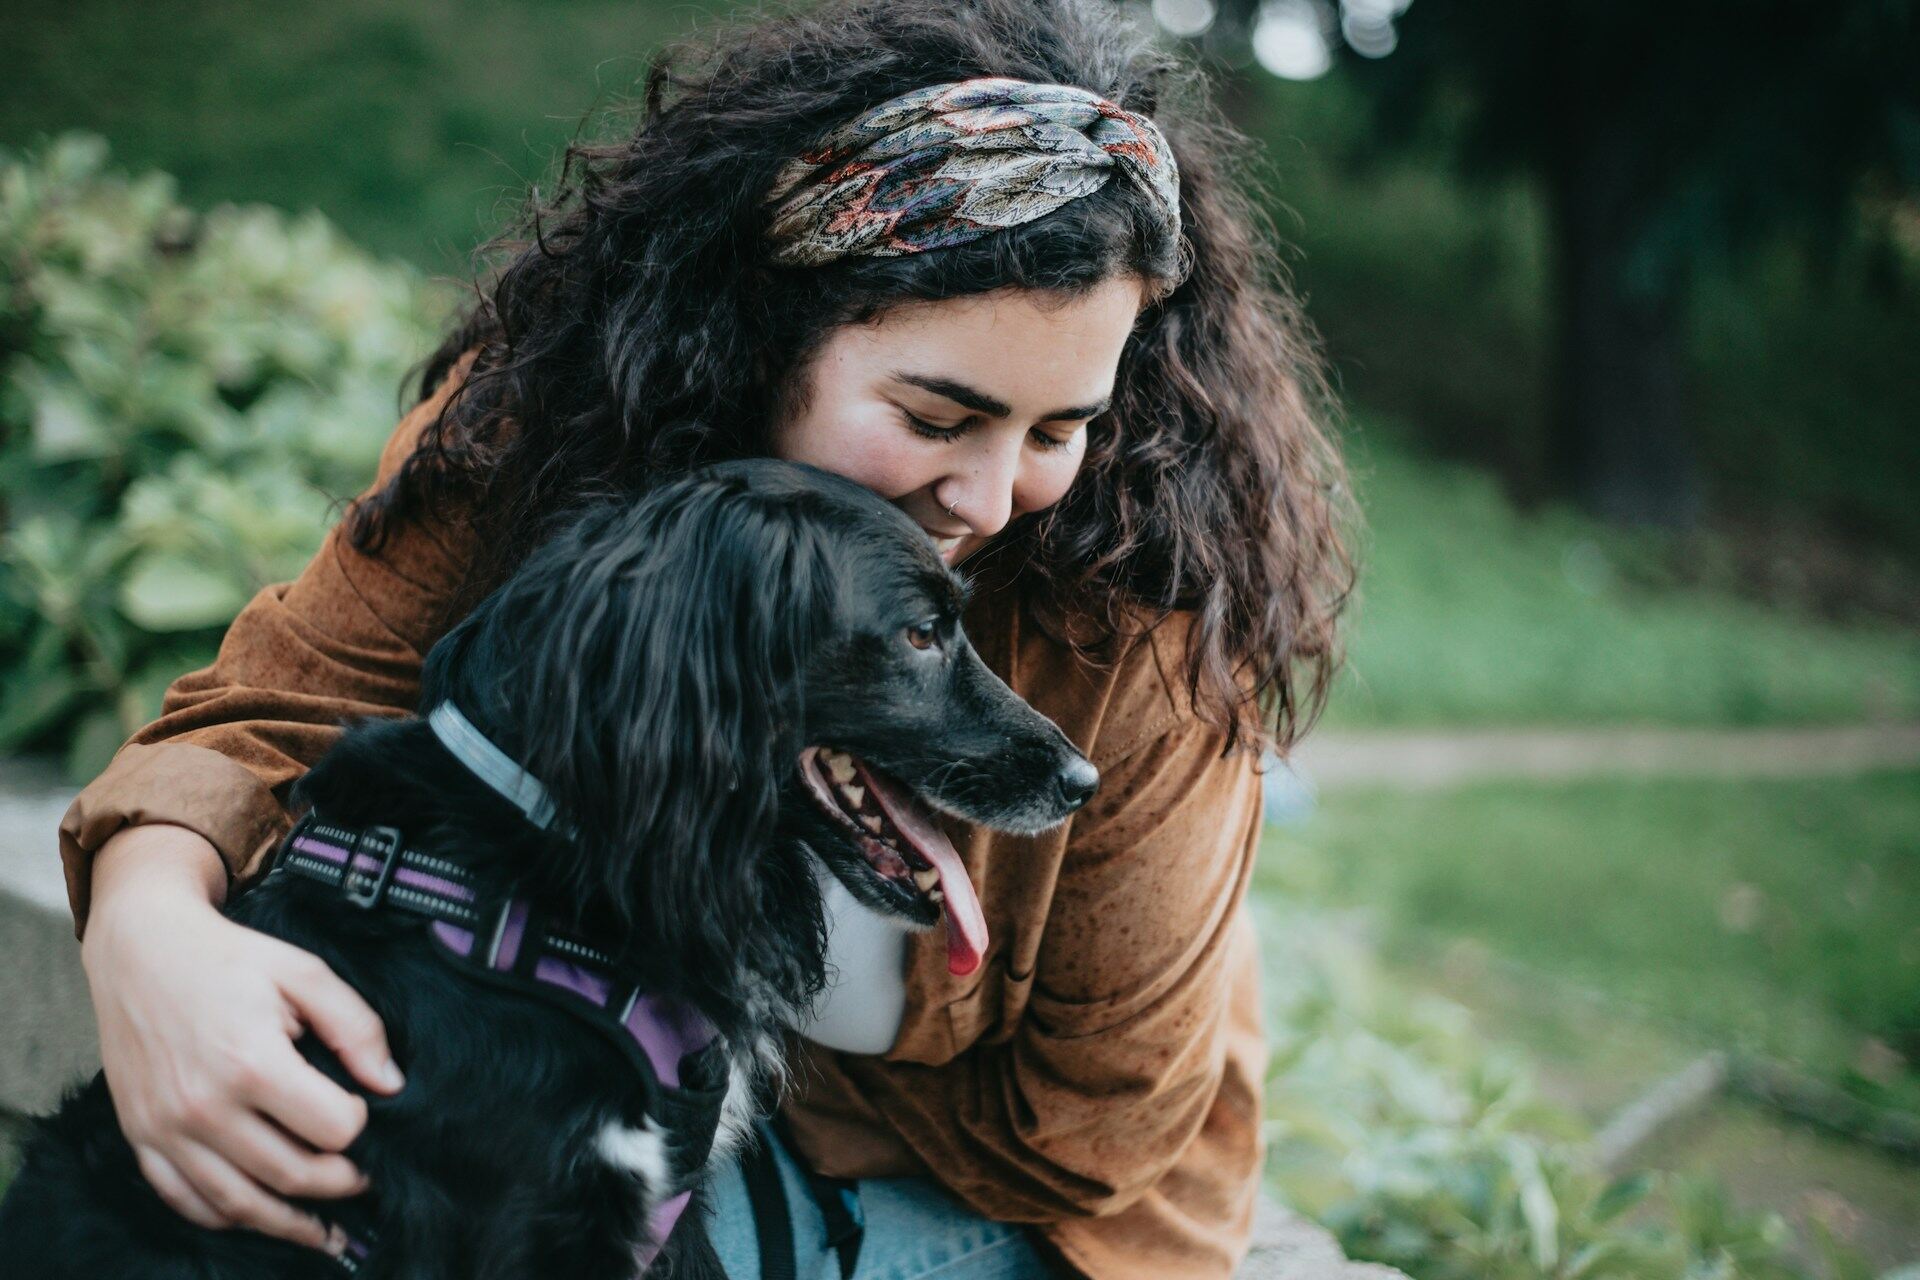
x: 47, y: 1037
x: 1288, y: 1247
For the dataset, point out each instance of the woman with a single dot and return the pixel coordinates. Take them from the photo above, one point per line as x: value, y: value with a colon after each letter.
x: 978, y: 258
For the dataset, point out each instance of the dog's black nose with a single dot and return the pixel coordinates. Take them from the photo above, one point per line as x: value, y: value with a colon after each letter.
x: 1077, y: 782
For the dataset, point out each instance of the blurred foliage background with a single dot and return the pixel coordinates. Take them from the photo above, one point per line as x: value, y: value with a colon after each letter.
x: 1622, y: 300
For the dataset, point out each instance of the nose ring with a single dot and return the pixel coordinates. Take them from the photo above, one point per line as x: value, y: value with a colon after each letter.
x: 952, y: 505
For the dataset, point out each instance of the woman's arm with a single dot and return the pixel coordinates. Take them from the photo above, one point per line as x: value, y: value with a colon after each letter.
x: 198, y: 1016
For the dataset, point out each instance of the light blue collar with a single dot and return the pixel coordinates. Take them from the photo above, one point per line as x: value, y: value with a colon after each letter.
x: 491, y: 765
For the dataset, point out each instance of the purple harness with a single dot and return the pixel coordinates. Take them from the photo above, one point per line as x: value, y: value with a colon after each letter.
x: 670, y: 1044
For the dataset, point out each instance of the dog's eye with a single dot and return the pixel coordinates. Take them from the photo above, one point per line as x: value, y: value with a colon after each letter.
x: 924, y: 635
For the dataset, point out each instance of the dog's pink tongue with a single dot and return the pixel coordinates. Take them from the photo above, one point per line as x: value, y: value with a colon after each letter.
x: 966, y: 923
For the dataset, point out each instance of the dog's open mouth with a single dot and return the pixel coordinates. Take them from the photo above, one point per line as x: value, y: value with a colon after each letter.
x: 897, y: 835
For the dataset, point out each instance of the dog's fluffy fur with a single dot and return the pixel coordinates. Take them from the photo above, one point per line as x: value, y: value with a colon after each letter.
x: 662, y: 665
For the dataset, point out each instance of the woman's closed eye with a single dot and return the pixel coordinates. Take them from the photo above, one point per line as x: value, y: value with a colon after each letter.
x: 933, y: 431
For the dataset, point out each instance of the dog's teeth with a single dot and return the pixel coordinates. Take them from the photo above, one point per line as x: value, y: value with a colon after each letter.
x: 935, y: 895
x: 840, y: 765
x: 926, y: 879
x: 871, y: 821
x: 857, y: 795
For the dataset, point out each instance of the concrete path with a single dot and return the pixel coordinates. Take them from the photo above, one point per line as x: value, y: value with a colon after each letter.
x: 1428, y: 760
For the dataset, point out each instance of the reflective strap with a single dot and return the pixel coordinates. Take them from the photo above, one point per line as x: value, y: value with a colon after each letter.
x: 491, y: 765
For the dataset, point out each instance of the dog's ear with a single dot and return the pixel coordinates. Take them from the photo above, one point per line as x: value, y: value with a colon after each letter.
x: 659, y: 688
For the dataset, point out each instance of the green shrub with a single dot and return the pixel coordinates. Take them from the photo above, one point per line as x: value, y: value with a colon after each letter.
x: 184, y: 397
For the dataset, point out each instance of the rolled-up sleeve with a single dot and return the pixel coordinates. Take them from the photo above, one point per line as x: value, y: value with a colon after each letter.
x: 343, y: 640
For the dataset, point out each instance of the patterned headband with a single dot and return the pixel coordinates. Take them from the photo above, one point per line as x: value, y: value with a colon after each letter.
x: 952, y: 162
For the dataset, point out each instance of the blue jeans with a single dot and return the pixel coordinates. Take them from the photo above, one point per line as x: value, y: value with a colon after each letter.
x: 914, y: 1230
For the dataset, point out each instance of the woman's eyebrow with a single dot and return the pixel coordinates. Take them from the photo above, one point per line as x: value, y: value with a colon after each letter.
x: 980, y: 402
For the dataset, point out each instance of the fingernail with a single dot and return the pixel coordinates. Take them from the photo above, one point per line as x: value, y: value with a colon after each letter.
x: 391, y: 1077
x: 336, y: 1240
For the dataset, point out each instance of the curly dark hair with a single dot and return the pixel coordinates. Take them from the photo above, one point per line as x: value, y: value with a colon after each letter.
x: 632, y: 325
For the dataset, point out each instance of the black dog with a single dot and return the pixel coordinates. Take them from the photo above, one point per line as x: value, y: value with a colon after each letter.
x: 579, y: 892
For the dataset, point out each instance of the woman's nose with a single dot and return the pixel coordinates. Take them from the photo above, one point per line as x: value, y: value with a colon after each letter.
x: 983, y: 493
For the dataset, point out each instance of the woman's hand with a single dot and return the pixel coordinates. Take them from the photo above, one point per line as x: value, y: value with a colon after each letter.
x: 198, y: 1018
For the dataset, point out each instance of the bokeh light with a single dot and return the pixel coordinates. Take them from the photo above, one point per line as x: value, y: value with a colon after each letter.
x: 1184, y: 18
x: 1365, y: 34
x: 1290, y: 39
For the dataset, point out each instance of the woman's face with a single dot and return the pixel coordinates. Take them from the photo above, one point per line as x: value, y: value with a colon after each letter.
x: 966, y: 413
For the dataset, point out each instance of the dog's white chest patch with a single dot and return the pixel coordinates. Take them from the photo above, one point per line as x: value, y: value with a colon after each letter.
x: 747, y: 1068
x: 641, y: 1152
x: 736, y: 1111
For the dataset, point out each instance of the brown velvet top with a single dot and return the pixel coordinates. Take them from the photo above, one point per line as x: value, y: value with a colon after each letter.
x: 1098, y: 1076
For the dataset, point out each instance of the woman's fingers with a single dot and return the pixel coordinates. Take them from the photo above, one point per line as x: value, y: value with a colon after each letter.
x: 284, y: 1165
x: 346, y: 1024
x: 175, y: 1190
x: 312, y: 1108
x: 241, y: 1202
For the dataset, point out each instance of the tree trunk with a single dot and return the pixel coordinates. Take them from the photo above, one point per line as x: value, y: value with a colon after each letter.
x: 1619, y: 440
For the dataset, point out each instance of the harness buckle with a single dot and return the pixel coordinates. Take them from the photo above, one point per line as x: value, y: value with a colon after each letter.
x: 300, y: 828
x: 368, y: 892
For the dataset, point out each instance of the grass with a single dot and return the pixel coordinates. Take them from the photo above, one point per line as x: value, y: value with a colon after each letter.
x: 1806, y: 1175
x: 1473, y: 613
x: 1778, y: 916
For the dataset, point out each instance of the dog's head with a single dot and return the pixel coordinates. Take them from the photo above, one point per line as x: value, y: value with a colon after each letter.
x: 744, y: 665
x: 904, y: 721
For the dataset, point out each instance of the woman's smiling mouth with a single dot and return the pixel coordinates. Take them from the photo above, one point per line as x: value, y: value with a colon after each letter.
x: 948, y: 546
